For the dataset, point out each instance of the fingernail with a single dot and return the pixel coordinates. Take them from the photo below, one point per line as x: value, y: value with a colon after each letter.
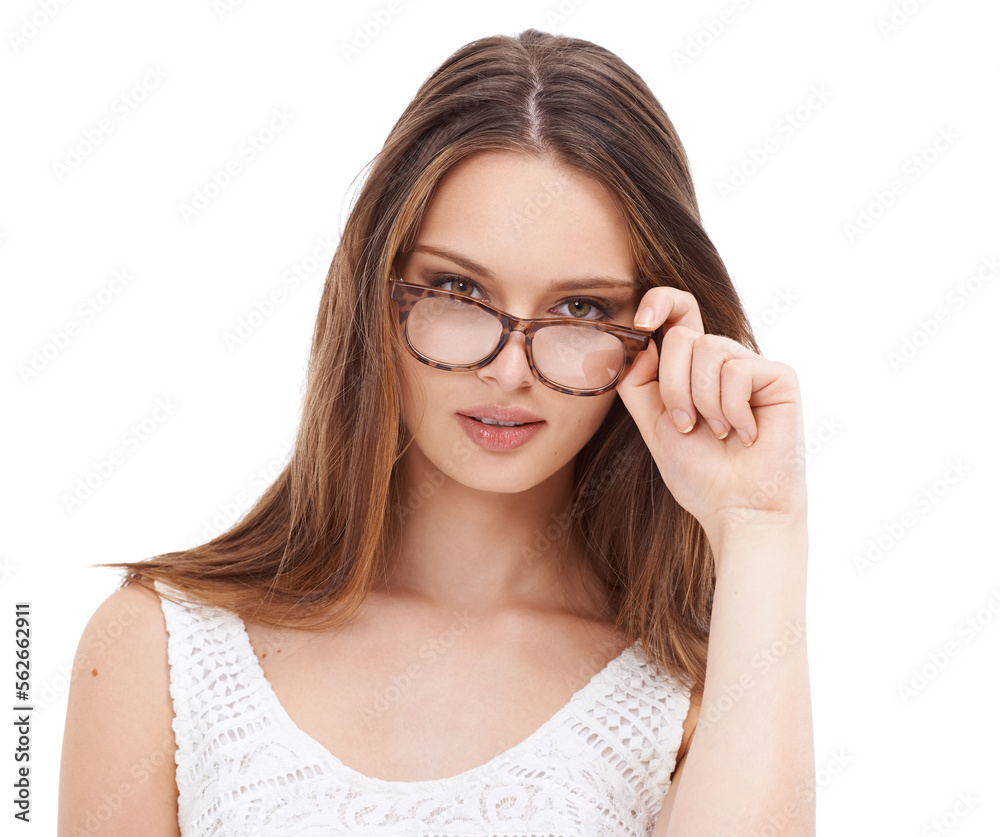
x: 682, y: 420
x: 644, y: 319
x: 718, y: 428
x: 744, y: 437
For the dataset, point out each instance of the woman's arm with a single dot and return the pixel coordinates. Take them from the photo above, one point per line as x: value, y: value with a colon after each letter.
x: 750, y: 767
x: 724, y: 426
x: 117, y: 774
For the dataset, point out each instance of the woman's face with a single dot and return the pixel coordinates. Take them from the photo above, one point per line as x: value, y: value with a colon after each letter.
x: 510, y: 225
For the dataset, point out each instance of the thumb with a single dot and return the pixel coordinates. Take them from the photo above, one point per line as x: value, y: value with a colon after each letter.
x: 640, y: 391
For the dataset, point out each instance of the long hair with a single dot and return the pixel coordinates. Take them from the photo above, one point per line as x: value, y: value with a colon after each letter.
x: 319, y: 539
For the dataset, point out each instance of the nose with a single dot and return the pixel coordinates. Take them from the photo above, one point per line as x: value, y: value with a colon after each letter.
x: 509, y: 369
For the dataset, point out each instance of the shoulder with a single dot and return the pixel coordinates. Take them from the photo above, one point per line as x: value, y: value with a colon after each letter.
x: 123, y: 646
x: 125, y: 639
x: 130, y: 615
x: 119, y: 716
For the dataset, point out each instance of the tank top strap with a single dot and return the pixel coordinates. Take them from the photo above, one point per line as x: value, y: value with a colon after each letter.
x: 633, y: 724
x: 213, y: 692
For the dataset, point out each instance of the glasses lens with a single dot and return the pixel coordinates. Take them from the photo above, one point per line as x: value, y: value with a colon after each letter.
x: 578, y: 357
x: 455, y: 333
x: 451, y: 331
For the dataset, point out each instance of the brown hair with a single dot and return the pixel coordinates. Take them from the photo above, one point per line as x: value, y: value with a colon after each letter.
x: 318, y: 540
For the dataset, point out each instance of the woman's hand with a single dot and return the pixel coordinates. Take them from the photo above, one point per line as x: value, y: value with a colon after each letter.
x: 705, y: 386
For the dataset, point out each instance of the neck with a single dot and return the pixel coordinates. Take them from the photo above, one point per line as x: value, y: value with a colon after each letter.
x: 463, y: 547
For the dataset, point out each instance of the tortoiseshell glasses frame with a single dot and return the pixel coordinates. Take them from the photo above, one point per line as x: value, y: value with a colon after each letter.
x: 407, y: 295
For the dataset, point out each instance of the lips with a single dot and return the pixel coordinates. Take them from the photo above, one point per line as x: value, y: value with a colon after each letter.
x: 497, y: 437
x: 497, y: 412
x: 493, y: 438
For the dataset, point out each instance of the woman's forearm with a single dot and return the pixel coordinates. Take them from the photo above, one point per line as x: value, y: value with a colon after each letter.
x: 750, y: 768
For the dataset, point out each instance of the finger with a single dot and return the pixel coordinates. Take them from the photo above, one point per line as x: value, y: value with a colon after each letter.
x: 669, y: 306
x: 737, y: 387
x: 709, y: 358
x: 676, y: 311
x: 752, y: 382
x: 675, y: 376
x: 639, y: 390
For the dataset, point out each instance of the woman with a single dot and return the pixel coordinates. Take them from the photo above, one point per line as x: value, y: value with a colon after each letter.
x: 518, y: 577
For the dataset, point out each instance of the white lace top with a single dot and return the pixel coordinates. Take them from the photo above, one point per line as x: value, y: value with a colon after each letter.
x: 599, y: 767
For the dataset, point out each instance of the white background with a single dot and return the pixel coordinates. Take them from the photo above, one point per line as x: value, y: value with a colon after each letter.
x: 831, y: 302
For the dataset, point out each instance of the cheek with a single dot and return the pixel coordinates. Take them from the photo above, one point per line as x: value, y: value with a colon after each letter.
x: 581, y: 420
x: 414, y: 391
x: 597, y: 412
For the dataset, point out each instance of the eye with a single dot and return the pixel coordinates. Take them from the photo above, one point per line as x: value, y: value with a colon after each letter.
x: 455, y: 284
x: 580, y: 307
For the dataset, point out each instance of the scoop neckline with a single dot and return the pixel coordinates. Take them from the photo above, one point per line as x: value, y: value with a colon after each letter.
x: 276, y: 709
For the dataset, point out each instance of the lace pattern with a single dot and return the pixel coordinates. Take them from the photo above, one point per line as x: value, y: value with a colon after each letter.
x: 599, y: 767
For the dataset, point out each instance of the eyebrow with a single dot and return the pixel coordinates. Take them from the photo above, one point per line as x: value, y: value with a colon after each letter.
x: 584, y: 282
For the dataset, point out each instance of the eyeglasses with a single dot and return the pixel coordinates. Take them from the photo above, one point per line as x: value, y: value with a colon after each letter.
x: 451, y: 331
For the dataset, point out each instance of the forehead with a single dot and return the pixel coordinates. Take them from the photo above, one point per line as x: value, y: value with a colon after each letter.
x: 528, y: 218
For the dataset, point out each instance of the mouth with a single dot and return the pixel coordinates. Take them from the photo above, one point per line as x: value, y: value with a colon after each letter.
x: 495, y: 415
x: 500, y: 433
x: 494, y: 423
